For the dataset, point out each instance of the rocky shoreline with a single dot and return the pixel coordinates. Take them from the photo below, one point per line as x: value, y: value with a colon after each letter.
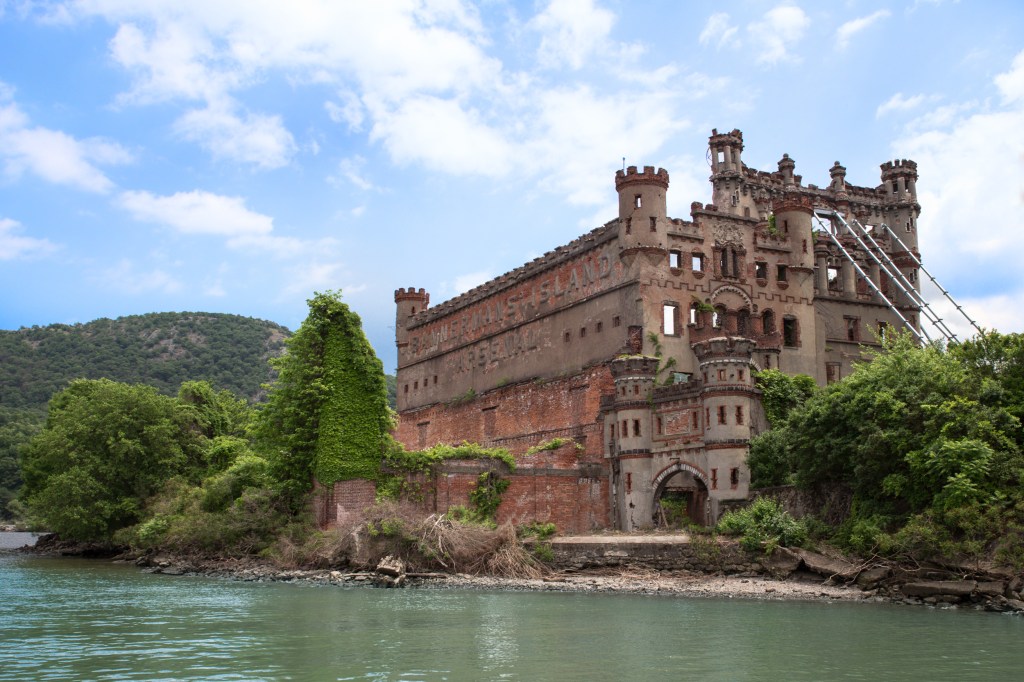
x: 794, y: 575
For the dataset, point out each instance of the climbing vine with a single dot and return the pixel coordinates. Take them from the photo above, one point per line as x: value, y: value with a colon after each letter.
x: 327, y: 414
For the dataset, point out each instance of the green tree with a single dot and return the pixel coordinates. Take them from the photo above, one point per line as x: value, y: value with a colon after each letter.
x: 327, y: 416
x: 105, y: 448
x: 16, y: 428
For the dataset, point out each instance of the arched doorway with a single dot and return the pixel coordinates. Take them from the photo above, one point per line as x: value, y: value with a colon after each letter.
x: 680, y: 497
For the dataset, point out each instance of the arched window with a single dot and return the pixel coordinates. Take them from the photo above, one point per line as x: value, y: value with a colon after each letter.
x: 718, y: 318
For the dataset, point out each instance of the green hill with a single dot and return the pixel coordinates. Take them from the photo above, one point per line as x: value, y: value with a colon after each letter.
x: 159, y: 349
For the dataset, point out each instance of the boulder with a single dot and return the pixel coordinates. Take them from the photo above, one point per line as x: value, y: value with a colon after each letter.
x: 826, y: 566
x: 870, y: 578
x: 931, y: 588
x: 782, y: 562
x: 991, y: 589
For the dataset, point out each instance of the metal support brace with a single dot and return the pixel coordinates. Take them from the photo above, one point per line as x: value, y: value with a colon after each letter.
x: 860, y: 271
x: 917, y: 261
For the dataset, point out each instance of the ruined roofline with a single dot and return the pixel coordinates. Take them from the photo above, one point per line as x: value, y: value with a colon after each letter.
x: 553, y: 258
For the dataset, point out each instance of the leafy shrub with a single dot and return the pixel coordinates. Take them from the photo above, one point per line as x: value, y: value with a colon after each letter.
x: 764, y: 524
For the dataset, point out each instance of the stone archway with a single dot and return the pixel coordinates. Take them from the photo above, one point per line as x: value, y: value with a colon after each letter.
x: 687, y: 487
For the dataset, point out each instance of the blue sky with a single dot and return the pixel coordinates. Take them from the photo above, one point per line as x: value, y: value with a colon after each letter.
x: 236, y: 156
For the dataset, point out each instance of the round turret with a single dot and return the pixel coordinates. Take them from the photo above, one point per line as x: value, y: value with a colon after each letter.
x: 408, y: 302
x: 643, y: 215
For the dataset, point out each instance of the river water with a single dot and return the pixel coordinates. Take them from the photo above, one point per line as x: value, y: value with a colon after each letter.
x: 74, y: 619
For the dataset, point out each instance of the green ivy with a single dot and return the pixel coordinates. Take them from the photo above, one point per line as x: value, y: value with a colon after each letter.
x: 327, y: 415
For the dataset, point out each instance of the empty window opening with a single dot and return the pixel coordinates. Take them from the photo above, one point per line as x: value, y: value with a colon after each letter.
x: 707, y: 415
x: 406, y: 390
x: 767, y: 362
x: 636, y: 389
x: 721, y: 375
x: 694, y: 310
x: 833, y: 277
x: 697, y: 262
x: 742, y: 322
x: 883, y: 329
x: 740, y: 376
x: 415, y: 385
x: 790, y: 332
x: 912, y: 276
x: 654, y: 224
x: 616, y: 321
x: 670, y: 319
x: 831, y: 372
x: 739, y: 414
x: 659, y: 425
x: 805, y: 246
x: 781, y: 273
x: 414, y: 310
x: 583, y: 332
x: 768, y: 322
x: 599, y: 327
x: 714, y: 479
x: 761, y: 270
x: 568, y: 337
x: 721, y: 414
x: 734, y: 477
x: 435, y: 380
x: 785, y: 226
x: 694, y: 419
x: 636, y: 427
x: 746, y: 211
x: 852, y: 328
x: 718, y: 317
x: 675, y: 259
x: 629, y: 482
x: 625, y: 428
x: 637, y: 201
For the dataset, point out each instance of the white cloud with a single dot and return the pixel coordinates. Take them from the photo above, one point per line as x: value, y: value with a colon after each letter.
x: 571, y: 30
x: 255, y: 139
x: 1011, y: 83
x: 720, y: 31
x: 14, y: 246
x: 900, y: 102
x: 53, y: 155
x: 350, y: 111
x: 126, y: 278
x: 351, y: 170
x: 972, y: 191
x: 846, y: 32
x: 442, y: 135
x: 777, y: 32
x: 198, y: 212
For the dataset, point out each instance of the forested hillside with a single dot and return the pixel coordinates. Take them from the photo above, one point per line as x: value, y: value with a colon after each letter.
x: 159, y: 349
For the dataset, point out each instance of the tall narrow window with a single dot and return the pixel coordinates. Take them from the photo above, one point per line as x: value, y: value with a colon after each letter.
x: 734, y: 477
x: 739, y: 414
x: 721, y: 414
x: 761, y: 270
x: 670, y: 319
x: 852, y: 328
x: 675, y: 259
x: 637, y: 201
x: 636, y: 427
x: 790, y: 332
x: 654, y: 224
x: 781, y: 273
x: 768, y: 321
x: 698, y: 262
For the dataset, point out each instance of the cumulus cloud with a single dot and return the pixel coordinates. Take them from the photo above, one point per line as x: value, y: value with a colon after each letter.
x: 719, y: 31
x: 15, y: 246
x: 846, y: 32
x: 251, y: 138
x: 972, y: 190
x: 198, y: 212
x: 777, y: 32
x: 570, y: 31
x: 53, y: 155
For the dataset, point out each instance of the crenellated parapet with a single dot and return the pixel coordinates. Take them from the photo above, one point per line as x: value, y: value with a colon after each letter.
x: 412, y: 294
x: 793, y: 201
x: 631, y: 176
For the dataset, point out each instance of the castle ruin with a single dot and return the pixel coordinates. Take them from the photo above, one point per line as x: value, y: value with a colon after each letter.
x: 637, y: 342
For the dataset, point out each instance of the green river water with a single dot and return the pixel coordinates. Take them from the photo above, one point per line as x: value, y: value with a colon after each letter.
x: 72, y: 619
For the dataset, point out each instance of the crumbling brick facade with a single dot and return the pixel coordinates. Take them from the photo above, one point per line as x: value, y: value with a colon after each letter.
x: 638, y: 341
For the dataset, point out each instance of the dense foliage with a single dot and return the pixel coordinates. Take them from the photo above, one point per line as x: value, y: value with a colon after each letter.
x: 327, y: 416
x: 927, y: 440
x: 159, y: 349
